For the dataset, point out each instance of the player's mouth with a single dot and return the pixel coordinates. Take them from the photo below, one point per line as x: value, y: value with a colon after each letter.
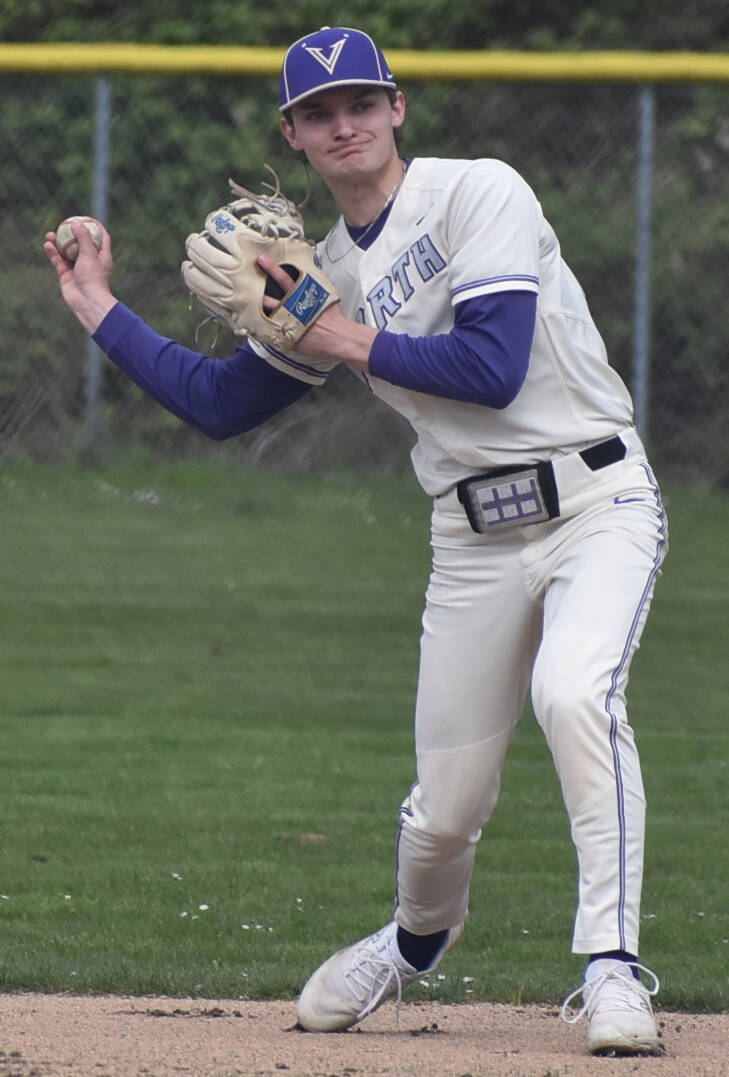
x: 342, y: 152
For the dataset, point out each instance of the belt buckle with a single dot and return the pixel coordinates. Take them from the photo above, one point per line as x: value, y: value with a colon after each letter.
x: 510, y: 497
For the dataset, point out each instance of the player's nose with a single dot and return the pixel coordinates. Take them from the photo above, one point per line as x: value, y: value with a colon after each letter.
x: 341, y: 125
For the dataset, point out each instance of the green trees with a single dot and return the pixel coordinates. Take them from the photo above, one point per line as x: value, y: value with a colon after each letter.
x: 513, y: 24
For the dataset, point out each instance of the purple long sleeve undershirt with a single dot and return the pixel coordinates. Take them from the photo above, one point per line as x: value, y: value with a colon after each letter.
x: 483, y: 360
x: 220, y: 397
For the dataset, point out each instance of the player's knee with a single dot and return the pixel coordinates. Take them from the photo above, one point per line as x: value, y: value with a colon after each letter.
x: 449, y: 817
x: 565, y: 702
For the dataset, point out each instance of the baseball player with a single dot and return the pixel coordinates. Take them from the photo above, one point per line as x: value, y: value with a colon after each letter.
x: 548, y: 531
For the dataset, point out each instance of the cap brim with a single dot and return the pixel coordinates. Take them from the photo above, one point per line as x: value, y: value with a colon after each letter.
x: 384, y: 84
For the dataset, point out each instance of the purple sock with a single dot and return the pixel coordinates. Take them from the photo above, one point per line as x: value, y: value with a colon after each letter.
x: 420, y: 951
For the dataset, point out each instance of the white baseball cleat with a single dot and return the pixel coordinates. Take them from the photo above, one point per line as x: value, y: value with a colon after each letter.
x: 352, y: 983
x: 618, y: 1008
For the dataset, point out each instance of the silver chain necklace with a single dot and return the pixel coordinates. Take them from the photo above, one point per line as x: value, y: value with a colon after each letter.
x: 391, y: 198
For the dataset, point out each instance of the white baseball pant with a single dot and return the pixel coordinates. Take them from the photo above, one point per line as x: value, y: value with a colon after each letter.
x: 562, y: 605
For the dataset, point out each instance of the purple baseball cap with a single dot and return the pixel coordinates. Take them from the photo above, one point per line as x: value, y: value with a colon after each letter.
x: 333, y: 56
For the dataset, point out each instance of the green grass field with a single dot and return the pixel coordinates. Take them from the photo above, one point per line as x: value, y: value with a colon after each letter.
x: 207, y: 682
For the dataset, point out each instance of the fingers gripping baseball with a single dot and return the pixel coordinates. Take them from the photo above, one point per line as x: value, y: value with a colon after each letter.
x: 84, y: 281
x: 66, y: 240
x: 81, y: 247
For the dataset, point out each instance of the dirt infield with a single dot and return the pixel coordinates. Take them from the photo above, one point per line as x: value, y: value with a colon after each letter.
x: 68, y: 1036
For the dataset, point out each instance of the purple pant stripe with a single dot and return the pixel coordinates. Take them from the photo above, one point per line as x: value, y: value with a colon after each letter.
x: 613, y: 718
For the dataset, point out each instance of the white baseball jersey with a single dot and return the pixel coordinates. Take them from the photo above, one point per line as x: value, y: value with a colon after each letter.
x: 460, y: 229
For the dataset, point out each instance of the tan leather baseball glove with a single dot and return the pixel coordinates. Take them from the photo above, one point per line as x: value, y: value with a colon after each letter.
x: 221, y: 270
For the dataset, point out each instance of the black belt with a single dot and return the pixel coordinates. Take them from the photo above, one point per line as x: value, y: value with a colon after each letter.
x: 516, y: 496
x: 604, y: 453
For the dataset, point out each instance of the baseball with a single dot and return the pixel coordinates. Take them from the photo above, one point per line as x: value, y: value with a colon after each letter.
x: 66, y: 240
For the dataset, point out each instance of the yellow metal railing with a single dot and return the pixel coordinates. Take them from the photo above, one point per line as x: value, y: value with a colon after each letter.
x: 497, y: 66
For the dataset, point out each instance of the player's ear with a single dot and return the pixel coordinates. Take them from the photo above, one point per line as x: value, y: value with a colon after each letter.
x: 288, y: 131
x: 398, y: 106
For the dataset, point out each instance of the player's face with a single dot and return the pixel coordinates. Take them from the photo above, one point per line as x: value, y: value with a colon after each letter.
x: 346, y: 131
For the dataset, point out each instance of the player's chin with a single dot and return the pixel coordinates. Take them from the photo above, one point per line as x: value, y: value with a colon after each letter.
x: 356, y: 167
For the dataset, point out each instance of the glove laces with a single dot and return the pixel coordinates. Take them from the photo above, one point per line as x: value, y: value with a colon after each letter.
x: 280, y: 216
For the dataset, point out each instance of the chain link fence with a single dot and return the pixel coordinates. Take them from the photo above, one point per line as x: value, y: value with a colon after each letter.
x: 174, y: 141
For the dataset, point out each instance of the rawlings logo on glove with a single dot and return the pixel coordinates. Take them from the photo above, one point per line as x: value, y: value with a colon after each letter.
x: 221, y: 270
x: 307, y: 300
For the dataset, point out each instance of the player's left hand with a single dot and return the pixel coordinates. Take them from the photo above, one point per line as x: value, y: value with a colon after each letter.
x: 221, y: 268
x: 332, y: 335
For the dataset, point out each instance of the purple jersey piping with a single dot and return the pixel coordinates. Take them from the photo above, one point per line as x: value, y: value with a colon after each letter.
x: 521, y: 277
x: 296, y: 364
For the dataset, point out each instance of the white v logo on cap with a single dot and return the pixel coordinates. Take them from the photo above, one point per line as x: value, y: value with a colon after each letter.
x: 329, y: 62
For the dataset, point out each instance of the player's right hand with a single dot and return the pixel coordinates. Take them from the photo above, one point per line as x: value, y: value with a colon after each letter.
x: 84, y: 283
